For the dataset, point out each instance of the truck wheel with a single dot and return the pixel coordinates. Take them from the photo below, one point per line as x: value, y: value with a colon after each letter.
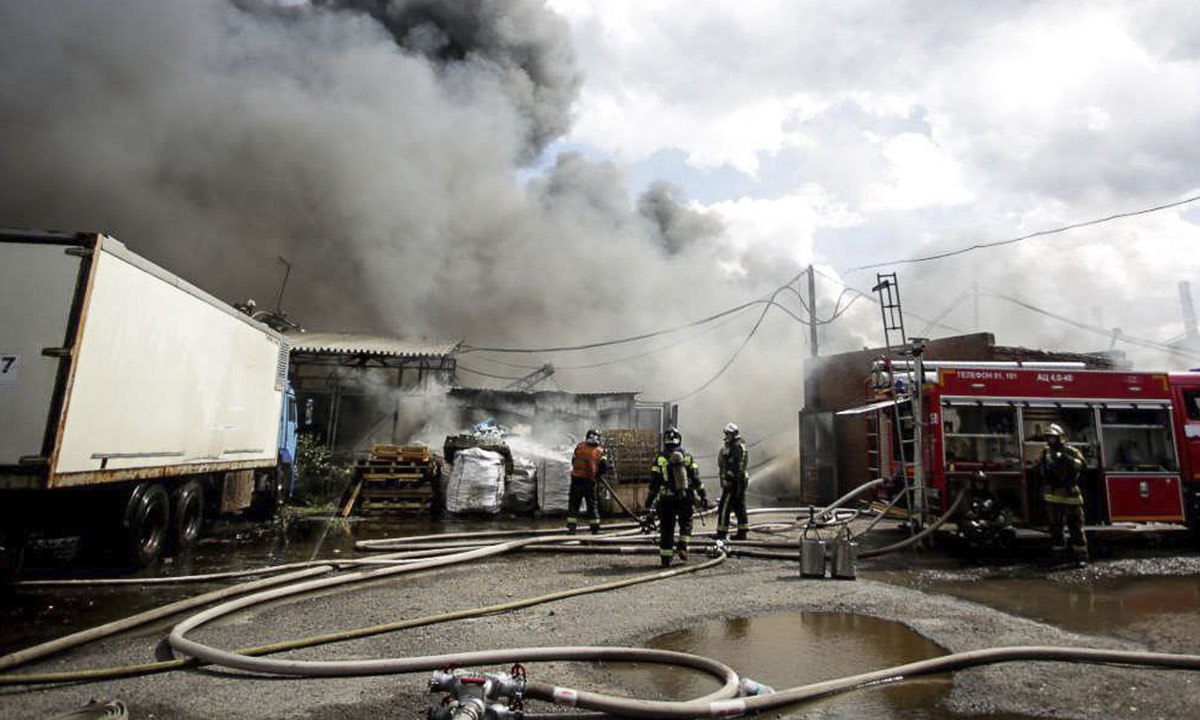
x: 187, y: 520
x: 146, y: 524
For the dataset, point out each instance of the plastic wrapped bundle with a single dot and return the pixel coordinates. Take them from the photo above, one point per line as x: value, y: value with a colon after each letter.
x: 521, y: 494
x: 476, y: 484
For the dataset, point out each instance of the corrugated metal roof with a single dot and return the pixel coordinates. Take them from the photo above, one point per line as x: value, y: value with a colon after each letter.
x: 355, y: 344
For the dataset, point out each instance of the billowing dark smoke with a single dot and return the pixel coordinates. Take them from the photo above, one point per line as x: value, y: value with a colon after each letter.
x: 376, y: 146
x: 677, y: 224
x: 525, y: 46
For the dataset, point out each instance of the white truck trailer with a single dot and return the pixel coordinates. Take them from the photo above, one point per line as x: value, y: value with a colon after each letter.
x: 132, y: 403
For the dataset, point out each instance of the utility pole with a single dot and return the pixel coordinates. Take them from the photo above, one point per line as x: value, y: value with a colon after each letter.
x: 1189, y: 314
x: 812, y: 312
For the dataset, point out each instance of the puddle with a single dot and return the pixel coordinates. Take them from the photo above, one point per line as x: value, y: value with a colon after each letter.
x: 1159, y: 611
x: 788, y: 649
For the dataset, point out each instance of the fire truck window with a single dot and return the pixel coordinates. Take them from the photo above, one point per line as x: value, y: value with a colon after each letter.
x: 1078, y: 423
x: 981, y: 438
x: 1191, y: 401
x: 1138, y: 440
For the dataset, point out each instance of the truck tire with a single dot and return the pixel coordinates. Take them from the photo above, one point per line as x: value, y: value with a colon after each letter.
x: 147, y: 524
x: 187, y: 516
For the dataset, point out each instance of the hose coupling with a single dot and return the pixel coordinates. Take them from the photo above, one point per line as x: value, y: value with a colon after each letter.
x: 497, y: 711
x: 754, y: 687
x: 472, y: 708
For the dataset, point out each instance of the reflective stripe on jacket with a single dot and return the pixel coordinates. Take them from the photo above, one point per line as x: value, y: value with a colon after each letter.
x: 587, y: 462
x: 1060, y: 475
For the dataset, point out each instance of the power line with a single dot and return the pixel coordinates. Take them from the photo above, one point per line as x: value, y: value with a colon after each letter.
x: 1010, y: 241
x: 460, y: 366
x: 647, y: 353
x: 608, y: 343
x: 655, y: 351
x: 875, y: 300
x: 1151, y: 344
x: 745, y: 341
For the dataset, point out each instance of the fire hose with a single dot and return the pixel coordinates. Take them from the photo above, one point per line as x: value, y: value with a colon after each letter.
x: 721, y: 702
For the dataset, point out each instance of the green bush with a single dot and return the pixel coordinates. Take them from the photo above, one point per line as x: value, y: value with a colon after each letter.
x: 319, y: 480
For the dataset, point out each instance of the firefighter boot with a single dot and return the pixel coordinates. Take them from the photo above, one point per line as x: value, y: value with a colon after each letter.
x: 682, y: 553
x: 740, y: 535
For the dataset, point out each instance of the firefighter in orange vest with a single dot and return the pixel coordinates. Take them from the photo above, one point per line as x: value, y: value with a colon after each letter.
x: 588, y: 465
x: 676, y: 477
x: 1060, y: 465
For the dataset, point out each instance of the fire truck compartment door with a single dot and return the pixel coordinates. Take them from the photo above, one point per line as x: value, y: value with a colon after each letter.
x: 1144, y: 498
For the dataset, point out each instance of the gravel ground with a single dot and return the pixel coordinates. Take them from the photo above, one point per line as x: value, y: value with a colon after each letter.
x: 629, y: 616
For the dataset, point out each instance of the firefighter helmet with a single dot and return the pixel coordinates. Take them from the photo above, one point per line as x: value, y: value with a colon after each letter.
x: 593, y: 437
x: 731, y: 429
x: 672, y: 438
x: 1055, y: 430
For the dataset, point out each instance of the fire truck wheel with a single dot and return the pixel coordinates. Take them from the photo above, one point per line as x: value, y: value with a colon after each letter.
x: 147, y: 518
x: 187, y: 517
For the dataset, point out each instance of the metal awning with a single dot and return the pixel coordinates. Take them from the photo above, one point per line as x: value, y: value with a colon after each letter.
x: 878, y: 405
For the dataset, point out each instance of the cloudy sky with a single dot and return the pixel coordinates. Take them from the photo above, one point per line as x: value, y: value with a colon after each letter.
x: 855, y: 132
x: 536, y: 173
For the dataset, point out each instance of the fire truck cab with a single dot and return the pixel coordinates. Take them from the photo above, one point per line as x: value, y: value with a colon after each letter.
x: 1139, y: 434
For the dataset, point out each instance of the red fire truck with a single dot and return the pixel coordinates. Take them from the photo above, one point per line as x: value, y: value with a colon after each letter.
x: 1139, y: 433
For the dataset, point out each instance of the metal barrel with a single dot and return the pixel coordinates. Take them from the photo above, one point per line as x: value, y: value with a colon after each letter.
x: 812, y: 558
x: 844, y: 555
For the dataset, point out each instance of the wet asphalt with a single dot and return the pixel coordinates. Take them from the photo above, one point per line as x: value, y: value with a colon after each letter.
x: 1139, y: 598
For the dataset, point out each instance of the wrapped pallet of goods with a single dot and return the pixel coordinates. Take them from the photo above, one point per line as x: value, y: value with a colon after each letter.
x: 521, y: 494
x: 476, y: 484
x: 553, y: 484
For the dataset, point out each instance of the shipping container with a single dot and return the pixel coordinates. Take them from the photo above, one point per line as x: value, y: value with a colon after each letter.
x: 132, y: 403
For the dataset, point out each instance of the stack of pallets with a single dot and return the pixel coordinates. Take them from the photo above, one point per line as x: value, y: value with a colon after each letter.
x: 632, y: 452
x: 393, y: 480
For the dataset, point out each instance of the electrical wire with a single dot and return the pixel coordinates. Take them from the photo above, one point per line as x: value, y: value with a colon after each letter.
x: 728, y: 363
x: 1132, y: 340
x: 633, y: 338
x: 1022, y: 238
x: 874, y: 300
x: 460, y: 366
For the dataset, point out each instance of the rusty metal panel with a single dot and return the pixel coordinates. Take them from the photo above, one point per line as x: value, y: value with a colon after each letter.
x: 151, y: 473
x: 237, y: 490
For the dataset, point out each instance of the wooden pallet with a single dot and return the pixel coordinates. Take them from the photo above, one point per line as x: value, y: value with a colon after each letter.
x: 412, y: 453
x: 633, y: 451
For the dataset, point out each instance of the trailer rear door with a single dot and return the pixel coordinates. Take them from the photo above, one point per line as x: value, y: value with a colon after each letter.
x: 38, y: 282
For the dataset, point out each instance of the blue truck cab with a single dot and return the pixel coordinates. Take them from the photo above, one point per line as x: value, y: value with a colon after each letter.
x: 288, y: 426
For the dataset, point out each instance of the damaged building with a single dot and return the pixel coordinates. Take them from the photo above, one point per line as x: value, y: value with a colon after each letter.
x: 354, y: 390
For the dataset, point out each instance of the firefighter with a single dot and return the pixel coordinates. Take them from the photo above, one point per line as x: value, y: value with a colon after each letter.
x: 985, y: 524
x: 676, y: 478
x: 1060, y: 465
x: 731, y: 468
x: 588, y: 465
